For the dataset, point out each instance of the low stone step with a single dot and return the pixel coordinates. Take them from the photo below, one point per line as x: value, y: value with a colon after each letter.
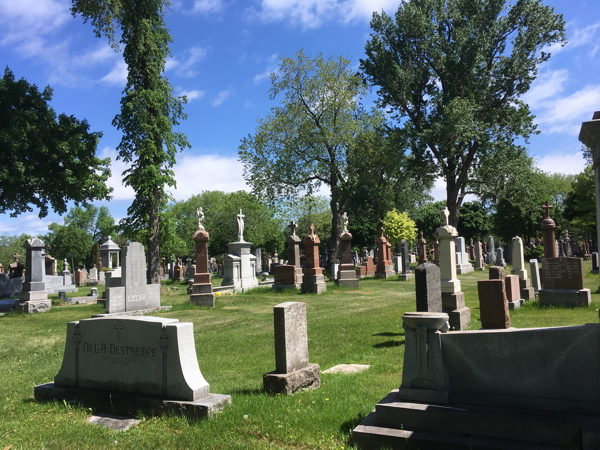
x: 543, y: 427
x: 371, y: 436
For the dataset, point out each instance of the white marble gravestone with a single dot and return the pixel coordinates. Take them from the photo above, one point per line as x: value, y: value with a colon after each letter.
x: 132, y: 293
x: 462, y: 257
x: 239, y: 263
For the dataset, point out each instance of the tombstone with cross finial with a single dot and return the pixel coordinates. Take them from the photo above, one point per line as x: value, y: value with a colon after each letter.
x: 548, y: 226
x: 453, y: 299
x: 289, y: 276
x: 313, y: 280
x: 346, y: 274
x: 385, y: 266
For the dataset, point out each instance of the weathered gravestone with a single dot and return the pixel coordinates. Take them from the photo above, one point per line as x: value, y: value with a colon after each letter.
x: 513, y: 291
x: 292, y: 372
x: 479, y: 261
x: 462, y: 257
x: 534, y: 268
x: 493, y: 304
x: 202, y: 290
x: 405, y: 255
x: 563, y: 283
x: 428, y: 288
x: 34, y: 297
x: 313, y: 281
x: 491, y: 253
x: 146, y: 363
x: 131, y: 292
x: 289, y: 276
x: 527, y: 292
x: 346, y: 276
x: 239, y: 263
x: 595, y: 262
x: 500, y: 257
x: 384, y: 265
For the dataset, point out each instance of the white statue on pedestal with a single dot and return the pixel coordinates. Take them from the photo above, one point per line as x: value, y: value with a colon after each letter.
x: 240, y: 227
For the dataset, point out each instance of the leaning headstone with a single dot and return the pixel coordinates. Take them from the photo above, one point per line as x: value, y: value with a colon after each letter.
x: 563, y: 283
x: 534, y: 269
x: 453, y: 299
x: 346, y: 276
x: 313, y: 281
x: 513, y: 291
x: 428, y: 288
x: 146, y: 363
x: 493, y: 305
x: 292, y: 372
x: 595, y: 262
x: 527, y: 292
x: 131, y: 292
x: 33, y: 297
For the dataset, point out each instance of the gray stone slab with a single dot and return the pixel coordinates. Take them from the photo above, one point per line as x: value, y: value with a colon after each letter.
x: 308, y: 377
x: 291, y: 336
x: 428, y: 288
x: 112, y: 422
x: 347, y: 368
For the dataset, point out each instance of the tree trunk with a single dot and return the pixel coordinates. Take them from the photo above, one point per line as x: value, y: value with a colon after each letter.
x: 452, y: 201
x: 335, y: 230
x: 153, y: 274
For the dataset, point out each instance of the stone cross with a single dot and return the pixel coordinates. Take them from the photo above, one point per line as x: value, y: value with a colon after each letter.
x: 547, y: 208
x: 446, y: 216
x: 240, y: 226
x: 292, y: 227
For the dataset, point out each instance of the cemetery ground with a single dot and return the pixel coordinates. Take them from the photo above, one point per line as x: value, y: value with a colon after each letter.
x: 234, y: 345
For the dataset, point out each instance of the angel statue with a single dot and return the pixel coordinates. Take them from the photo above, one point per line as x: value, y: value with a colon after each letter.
x: 345, y: 220
x: 200, y: 217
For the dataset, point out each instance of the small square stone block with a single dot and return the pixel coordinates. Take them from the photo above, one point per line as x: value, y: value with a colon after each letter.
x: 493, y: 304
x: 308, y: 377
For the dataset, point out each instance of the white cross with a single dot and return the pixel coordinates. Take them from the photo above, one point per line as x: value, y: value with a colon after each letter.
x: 446, y: 215
x: 240, y: 215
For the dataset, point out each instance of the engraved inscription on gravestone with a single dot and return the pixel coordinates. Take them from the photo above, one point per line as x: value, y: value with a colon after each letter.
x: 563, y: 273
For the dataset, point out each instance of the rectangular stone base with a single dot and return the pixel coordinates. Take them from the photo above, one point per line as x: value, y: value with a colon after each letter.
x: 29, y: 296
x: 308, y: 377
x: 464, y: 268
x: 516, y: 304
x: 528, y: 293
x: 203, y: 299
x: 313, y: 284
x: 348, y: 283
x: 139, y: 312
x: 384, y: 272
x: 565, y: 297
x: 459, y: 316
x: 34, y: 306
x: 406, y: 276
x: 206, y: 406
x: 81, y: 300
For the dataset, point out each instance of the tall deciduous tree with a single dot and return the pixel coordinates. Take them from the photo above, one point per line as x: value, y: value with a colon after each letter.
x: 321, y: 135
x: 46, y: 160
x: 452, y: 71
x: 148, y: 108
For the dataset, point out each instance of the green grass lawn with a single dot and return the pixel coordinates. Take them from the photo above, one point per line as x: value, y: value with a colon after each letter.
x: 234, y: 345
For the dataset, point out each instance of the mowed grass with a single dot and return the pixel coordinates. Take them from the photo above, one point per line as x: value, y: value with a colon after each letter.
x: 234, y: 346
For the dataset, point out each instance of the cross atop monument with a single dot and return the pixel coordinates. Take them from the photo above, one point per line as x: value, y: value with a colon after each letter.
x: 240, y: 215
x: 446, y: 216
x: 311, y: 228
x: 292, y: 227
x: 547, y: 207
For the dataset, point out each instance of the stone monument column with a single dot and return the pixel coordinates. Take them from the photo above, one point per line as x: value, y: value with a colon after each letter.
x: 313, y: 281
x: 347, y: 275
x: 385, y: 268
x: 453, y: 300
x: 34, y: 297
x: 589, y: 136
x: 422, y: 250
x: 202, y: 292
x: 289, y: 276
x: 548, y: 226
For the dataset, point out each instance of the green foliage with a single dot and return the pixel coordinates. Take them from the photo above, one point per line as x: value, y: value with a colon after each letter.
x: 580, y: 203
x: 533, y: 253
x: 10, y: 245
x: 428, y: 218
x: 321, y: 135
x: 71, y: 240
x: 98, y: 222
x: 399, y: 226
x: 451, y: 72
x: 475, y: 222
x: 46, y: 161
x: 220, y: 210
x: 149, y: 111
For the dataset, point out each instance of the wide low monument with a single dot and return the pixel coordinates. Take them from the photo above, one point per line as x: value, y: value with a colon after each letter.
x: 133, y: 363
x: 510, y: 388
x: 129, y: 294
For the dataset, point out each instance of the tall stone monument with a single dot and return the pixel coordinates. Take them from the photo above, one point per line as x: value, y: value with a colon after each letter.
x: 202, y: 291
x: 346, y: 274
x: 479, y: 261
x: 549, y: 226
x: 422, y: 249
x: 491, y: 251
x: 131, y: 292
x: 527, y: 292
x: 289, y: 276
x: 313, y: 281
x: 385, y: 268
x: 453, y: 300
x: 34, y: 297
x: 239, y: 263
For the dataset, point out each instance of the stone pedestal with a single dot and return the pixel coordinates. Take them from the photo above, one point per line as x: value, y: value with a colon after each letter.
x: 240, y: 267
x: 289, y: 276
x: 33, y: 297
x: 202, y: 291
x: 385, y: 268
x: 347, y: 274
x: 453, y: 300
x: 313, y: 281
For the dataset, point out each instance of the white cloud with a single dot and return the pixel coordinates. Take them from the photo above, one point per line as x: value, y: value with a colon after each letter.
x: 218, y: 173
x: 272, y: 67
x: 192, y: 94
x: 120, y: 192
x: 592, y: 54
x: 26, y: 20
x: 184, y: 67
x: 564, y: 115
x: 207, y: 7
x: 545, y: 86
x: 579, y: 37
x: 312, y: 14
x: 570, y: 163
x: 220, y: 98
x: 28, y: 224
x: 117, y: 76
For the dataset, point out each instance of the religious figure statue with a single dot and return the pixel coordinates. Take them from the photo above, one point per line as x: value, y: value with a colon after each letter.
x: 345, y: 220
x: 200, y: 217
x: 240, y: 227
x: 66, y: 265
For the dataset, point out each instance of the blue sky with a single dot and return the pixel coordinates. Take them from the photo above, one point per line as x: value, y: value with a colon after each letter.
x: 222, y: 55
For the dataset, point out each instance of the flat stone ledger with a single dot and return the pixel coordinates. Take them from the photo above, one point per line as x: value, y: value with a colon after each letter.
x: 138, y: 358
x: 293, y: 371
x: 493, y: 304
x: 428, y: 288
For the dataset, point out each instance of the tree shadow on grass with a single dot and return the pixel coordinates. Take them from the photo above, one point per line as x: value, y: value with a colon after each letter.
x: 388, y: 334
x: 388, y: 344
x: 256, y: 391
